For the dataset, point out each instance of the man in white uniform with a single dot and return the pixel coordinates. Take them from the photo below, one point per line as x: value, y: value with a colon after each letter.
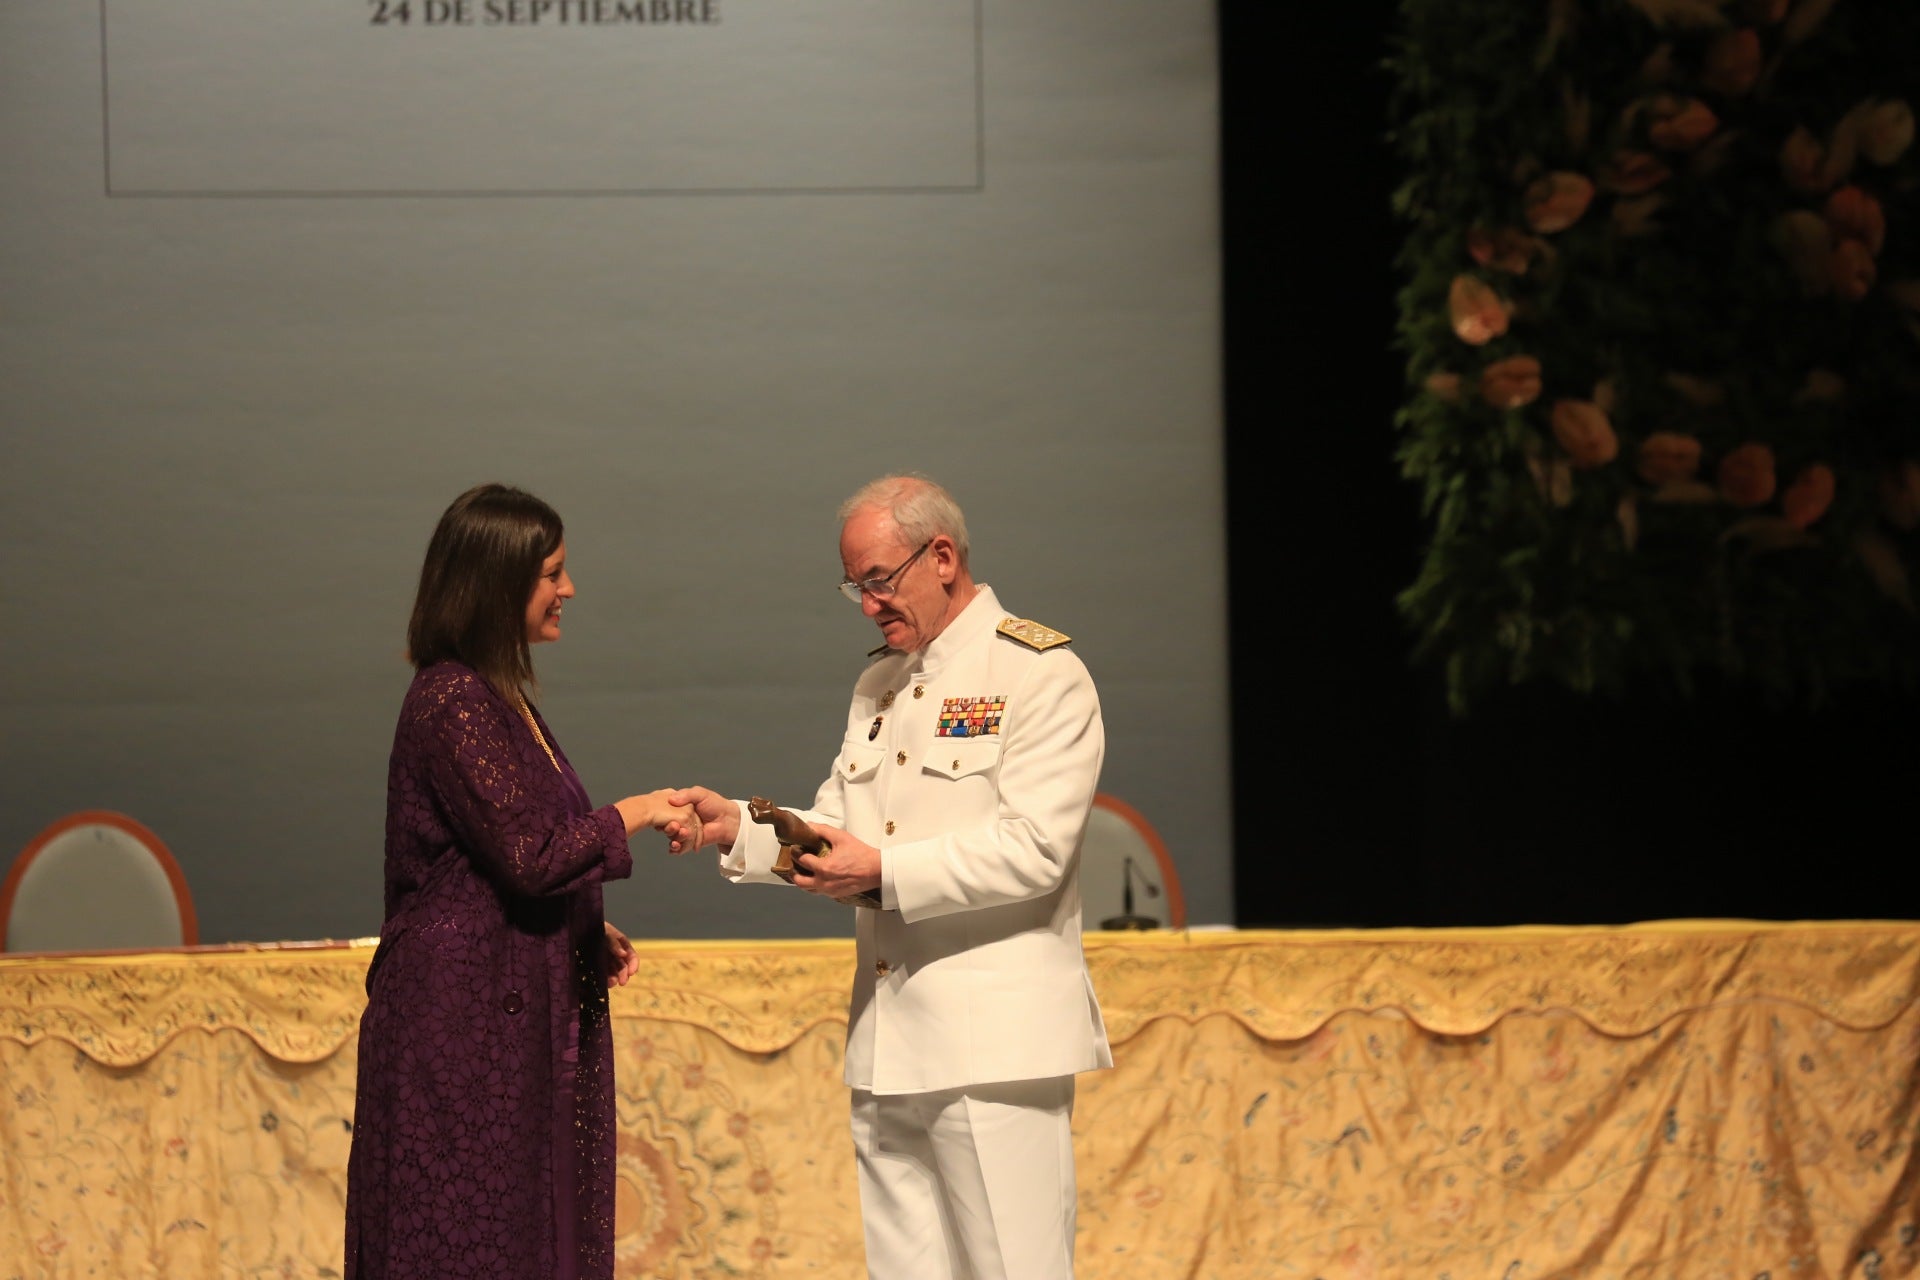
x: 960, y: 793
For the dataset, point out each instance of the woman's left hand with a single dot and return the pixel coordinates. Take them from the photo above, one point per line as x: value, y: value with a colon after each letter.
x: 621, y: 960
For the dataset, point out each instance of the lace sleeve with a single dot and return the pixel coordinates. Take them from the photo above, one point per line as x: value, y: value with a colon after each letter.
x: 503, y: 797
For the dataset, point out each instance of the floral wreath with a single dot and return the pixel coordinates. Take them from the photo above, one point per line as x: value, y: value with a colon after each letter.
x: 1662, y: 318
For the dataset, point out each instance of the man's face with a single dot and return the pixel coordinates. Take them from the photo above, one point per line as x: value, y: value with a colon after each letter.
x: 914, y: 610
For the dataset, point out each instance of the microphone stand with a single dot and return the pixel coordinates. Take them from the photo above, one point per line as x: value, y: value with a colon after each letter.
x: 1127, y: 919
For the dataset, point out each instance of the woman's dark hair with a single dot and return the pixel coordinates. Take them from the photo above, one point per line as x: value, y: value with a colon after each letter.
x: 481, y: 567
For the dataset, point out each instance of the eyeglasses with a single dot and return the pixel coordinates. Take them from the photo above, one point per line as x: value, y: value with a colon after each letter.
x: 880, y: 588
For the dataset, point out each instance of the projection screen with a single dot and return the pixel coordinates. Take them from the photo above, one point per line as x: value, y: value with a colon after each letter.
x: 278, y: 280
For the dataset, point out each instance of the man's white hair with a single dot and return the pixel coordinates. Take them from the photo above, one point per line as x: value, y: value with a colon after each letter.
x: 920, y: 508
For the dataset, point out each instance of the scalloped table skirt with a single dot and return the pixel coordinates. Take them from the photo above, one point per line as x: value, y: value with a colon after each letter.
x: 1684, y: 1098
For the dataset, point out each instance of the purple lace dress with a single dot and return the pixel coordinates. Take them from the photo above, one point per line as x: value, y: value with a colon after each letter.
x: 483, y: 1139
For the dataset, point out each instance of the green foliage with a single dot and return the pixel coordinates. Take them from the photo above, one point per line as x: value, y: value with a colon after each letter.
x: 1719, y: 291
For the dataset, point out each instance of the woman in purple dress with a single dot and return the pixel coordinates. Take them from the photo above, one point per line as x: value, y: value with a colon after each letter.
x: 483, y: 1140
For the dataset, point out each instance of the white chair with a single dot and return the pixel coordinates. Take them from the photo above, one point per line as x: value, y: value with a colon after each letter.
x: 1127, y: 878
x: 96, y: 881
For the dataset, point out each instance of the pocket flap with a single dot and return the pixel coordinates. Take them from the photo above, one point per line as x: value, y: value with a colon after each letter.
x: 857, y: 760
x: 958, y: 758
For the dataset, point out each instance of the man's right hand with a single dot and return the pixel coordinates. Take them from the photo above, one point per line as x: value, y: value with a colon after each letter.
x: 719, y: 821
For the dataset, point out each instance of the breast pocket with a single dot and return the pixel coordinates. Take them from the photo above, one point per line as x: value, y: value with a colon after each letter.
x: 858, y: 761
x: 963, y: 758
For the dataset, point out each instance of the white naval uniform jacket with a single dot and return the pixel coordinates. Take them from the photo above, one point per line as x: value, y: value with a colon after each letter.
x: 974, y: 974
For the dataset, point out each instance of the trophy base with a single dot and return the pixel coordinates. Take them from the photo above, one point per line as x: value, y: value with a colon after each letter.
x: 1136, y: 923
x: 783, y: 867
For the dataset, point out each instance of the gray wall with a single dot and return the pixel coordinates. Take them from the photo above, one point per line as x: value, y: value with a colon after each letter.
x: 243, y: 368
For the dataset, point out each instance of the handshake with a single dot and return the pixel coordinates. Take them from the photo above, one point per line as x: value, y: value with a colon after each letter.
x: 820, y: 860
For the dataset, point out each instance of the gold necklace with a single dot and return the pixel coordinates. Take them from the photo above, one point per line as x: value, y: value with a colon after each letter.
x: 526, y: 713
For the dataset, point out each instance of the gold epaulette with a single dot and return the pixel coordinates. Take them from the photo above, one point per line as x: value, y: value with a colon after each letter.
x: 1032, y: 634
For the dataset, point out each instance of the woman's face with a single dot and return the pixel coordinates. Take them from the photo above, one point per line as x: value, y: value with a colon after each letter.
x: 553, y: 589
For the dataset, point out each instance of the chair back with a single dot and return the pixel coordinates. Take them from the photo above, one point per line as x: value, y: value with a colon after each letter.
x: 96, y: 881
x: 1127, y: 878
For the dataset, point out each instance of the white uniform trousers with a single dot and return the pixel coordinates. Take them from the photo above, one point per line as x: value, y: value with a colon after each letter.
x: 968, y: 1184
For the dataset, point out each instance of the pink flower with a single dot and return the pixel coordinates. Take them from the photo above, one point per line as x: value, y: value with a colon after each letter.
x: 1555, y: 1065
x: 1632, y: 173
x: 1511, y: 383
x: 1851, y: 270
x: 1732, y: 64
x: 1854, y: 214
x: 1507, y: 249
x: 1321, y: 1044
x: 1712, y: 157
x: 1658, y: 67
x: 1583, y: 430
x: 1681, y: 124
x: 1746, y: 475
x: 1820, y: 385
x: 1478, y: 314
x: 1556, y: 201
x: 1886, y: 131
x: 1634, y: 215
x: 1702, y: 393
x: 1809, y: 496
x: 1356, y: 1263
x: 1667, y: 457
x: 1803, y: 162
x: 1445, y: 385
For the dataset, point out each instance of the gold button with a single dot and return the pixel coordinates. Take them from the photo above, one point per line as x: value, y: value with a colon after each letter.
x: 956, y: 764
x: 851, y: 766
x: 919, y: 689
x: 901, y: 758
x: 886, y: 700
x: 889, y: 826
x: 880, y: 967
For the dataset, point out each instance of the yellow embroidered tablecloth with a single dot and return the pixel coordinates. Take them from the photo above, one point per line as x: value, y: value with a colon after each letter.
x: 1675, y: 1100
